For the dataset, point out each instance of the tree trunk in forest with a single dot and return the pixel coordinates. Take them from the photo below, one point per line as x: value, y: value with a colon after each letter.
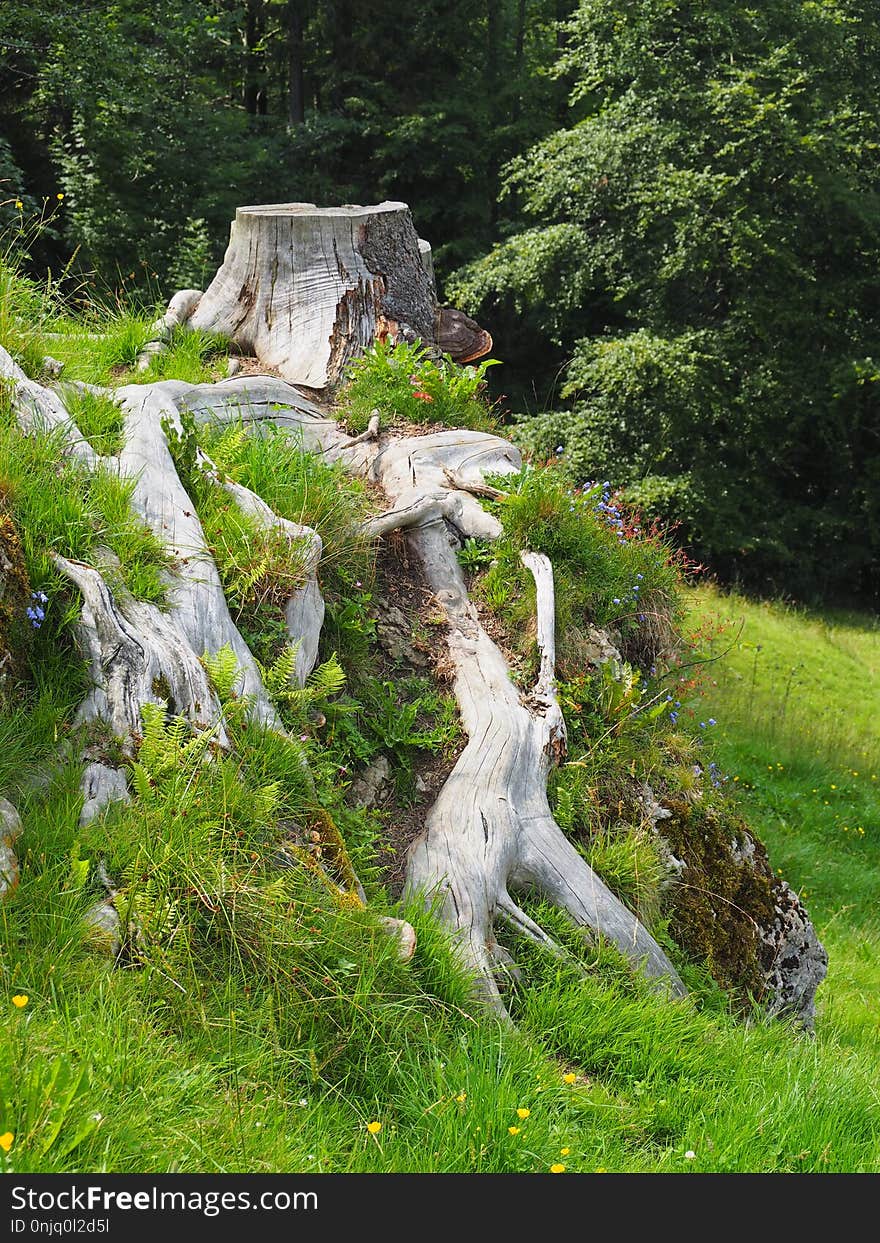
x: 253, y: 84
x: 296, y: 112
x: 306, y: 288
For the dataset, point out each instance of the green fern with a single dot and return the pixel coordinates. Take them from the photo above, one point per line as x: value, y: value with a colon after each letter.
x: 328, y: 679
x: 279, y: 677
x: 223, y: 670
x: 280, y: 681
x: 228, y: 448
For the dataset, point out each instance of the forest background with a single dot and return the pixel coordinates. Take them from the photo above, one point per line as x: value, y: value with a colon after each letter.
x: 666, y: 213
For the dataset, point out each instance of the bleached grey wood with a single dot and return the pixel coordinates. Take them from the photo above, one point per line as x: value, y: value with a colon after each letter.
x: 196, y: 598
x: 10, y: 831
x: 543, y: 698
x: 306, y: 289
x: 490, y: 831
x: 136, y: 655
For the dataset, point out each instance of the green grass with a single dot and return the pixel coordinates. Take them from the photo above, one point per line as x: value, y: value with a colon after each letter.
x: 60, y: 507
x: 606, y: 573
x: 797, y: 700
x: 301, y: 487
x: 269, y: 1043
x: 103, y: 347
x: 98, y: 417
x: 263, y: 1027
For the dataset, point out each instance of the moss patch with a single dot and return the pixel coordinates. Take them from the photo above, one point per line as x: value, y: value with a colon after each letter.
x: 724, y: 897
x: 15, y: 591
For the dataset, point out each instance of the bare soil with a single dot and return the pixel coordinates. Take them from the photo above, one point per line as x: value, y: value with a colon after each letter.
x: 400, y: 588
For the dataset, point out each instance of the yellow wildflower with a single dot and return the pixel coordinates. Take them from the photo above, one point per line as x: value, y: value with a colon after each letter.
x: 19, y: 205
x: 569, y: 1078
x: 374, y: 1127
x: 523, y: 1113
x: 563, y: 1152
x: 59, y: 197
x: 20, y: 1000
x: 513, y: 1130
x: 557, y: 1168
x: 461, y: 1098
x: 6, y: 1141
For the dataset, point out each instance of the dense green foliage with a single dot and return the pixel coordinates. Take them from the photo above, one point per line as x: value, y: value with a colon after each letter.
x: 665, y: 211
x: 405, y: 386
x: 703, y: 250
x: 156, y: 120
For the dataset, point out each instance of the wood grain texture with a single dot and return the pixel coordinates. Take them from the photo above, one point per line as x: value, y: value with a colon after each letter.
x: 306, y: 289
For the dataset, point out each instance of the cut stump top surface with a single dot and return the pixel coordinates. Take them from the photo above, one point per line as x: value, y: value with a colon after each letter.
x: 311, y: 209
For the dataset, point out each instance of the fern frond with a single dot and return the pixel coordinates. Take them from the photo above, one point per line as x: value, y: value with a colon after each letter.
x: 328, y: 679
x: 222, y: 668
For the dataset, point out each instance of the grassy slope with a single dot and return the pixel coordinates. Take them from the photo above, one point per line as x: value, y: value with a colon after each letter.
x: 122, y: 1070
x: 797, y: 699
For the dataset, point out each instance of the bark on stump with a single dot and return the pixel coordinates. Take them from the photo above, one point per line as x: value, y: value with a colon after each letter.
x: 306, y: 289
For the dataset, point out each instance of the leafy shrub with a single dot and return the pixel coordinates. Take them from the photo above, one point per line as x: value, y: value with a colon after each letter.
x: 699, y: 257
x: 191, y: 265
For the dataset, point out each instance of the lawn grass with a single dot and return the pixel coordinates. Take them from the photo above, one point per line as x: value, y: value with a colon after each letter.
x: 797, y: 701
x: 283, y: 1065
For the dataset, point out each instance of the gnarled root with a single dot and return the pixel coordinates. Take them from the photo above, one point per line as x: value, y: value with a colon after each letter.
x: 490, y: 832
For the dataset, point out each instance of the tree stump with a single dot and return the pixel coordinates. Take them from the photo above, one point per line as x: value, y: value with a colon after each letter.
x: 307, y: 288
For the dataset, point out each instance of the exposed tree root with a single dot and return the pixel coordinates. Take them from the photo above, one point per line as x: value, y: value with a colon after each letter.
x: 490, y: 833
x: 177, y: 314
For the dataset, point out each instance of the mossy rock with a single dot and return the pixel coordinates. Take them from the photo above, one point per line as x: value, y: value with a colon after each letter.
x: 724, y: 899
x: 15, y: 594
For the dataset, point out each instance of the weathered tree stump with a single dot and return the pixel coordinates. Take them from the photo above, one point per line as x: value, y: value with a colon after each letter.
x: 308, y: 288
